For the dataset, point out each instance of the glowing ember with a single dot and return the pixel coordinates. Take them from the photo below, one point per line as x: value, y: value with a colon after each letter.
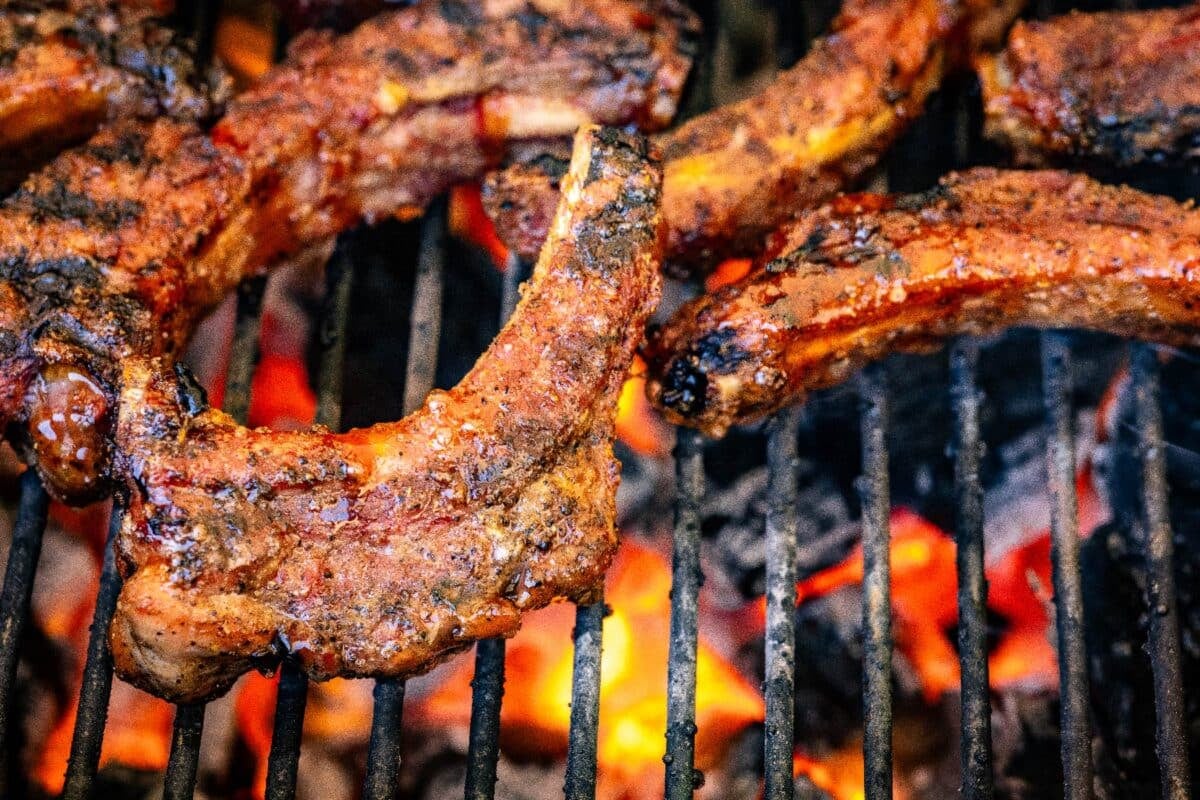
x: 638, y: 425
x: 469, y: 221
x: 536, y: 713
x: 840, y: 773
x: 924, y: 587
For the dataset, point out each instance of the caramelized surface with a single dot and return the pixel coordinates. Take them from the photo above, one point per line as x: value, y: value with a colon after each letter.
x: 733, y: 174
x: 1123, y: 86
x: 382, y: 550
x: 116, y: 248
x: 68, y: 67
x: 868, y: 275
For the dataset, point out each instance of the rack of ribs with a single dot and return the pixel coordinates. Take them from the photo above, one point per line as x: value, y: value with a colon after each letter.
x: 118, y: 247
x: 1119, y: 86
x: 868, y: 275
x: 735, y: 173
x: 383, y: 550
x: 67, y: 68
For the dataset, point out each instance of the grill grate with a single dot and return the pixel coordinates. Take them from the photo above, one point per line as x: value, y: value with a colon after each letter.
x: 972, y: 587
x: 384, y: 757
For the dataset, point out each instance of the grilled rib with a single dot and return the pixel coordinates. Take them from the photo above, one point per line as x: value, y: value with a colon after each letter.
x: 870, y: 274
x: 66, y: 68
x: 735, y: 173
x: 1121, y: 86
x: 383, y: 550
x: 116, y: 248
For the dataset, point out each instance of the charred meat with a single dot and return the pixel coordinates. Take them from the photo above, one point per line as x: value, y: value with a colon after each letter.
x: 66, y: 68
x: 733, y: 174
x: 1120, y: 86
x: 869, y: 274
x: 116, y: 248
x: 383, y: 550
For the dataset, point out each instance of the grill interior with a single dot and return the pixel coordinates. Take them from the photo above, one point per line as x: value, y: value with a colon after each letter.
x: 946, y: 138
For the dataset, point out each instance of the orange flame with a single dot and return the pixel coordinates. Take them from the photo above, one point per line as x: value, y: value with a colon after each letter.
x: 924, y: 587
x: 840, y: 774
x: 638, y: 425
x: 469, y: 221
x: 536, y: 713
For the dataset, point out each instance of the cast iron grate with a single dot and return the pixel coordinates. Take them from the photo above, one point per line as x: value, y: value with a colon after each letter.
x: 384, y: 755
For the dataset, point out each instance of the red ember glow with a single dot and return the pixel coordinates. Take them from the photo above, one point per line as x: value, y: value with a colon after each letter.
x: 536, y: 714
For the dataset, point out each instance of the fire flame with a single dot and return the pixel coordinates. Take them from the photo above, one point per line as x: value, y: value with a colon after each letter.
x: 638, y: 425
x: 536, y: 714
x: 924, y: 606
x: 469, y: 221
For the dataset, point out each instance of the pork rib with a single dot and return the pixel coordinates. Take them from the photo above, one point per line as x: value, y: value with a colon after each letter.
x: 382, y: 550
x: 66, y: 68
x: 735, y: 173
x: 868, y: 275
x: 116, y: 249
x: 1120, y: 86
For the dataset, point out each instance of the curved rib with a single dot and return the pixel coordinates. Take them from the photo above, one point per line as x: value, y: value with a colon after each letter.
x: 382, y: 550
x: 732, y: 175
x: 868, y: 275
x: 116, y: 249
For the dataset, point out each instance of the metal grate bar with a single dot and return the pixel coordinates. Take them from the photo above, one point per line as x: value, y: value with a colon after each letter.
x: 1068, y: 584
x: 188, y: 727
x: 180, y: 781
x: 383, y: 753
x: 23, y: 555
x: 874, y: 491
x: 972, y: 585
x: 580, y: 782
x: 331, y: 335
x: 92, y: 712
x: 425, y: 331
x: 779, y: 687
x: 283, y: 761
x: 685, y: 589
x: 243, y: 354
x: 284, y: 758
x: 1160, y: 589
x: 487, y: 693
x: 426, y: 320
x: 483, y: 746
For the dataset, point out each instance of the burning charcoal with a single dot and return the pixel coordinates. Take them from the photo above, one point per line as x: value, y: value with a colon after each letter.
x: 734, y: 522
x: 1025, y: 740
x: 829, y: 668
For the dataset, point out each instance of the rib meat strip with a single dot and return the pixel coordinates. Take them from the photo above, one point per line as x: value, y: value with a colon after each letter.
x: 868, y: 275
x: 734, y: 174
x: 66, y: 68
x: 117, y: 248
x: 1121, y: 86
x: 382, y: 550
